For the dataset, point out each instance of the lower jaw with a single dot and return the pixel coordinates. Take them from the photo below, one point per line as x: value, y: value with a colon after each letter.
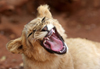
x: 57, y: 52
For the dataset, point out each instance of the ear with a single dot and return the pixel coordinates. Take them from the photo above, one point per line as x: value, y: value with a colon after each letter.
x: 43, y: 11
x: 15, y: 46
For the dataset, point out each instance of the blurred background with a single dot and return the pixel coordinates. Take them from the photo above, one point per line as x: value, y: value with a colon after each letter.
x: 80, y: 18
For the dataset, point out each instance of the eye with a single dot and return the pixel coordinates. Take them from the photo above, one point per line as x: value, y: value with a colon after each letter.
x: 43, y: 19
x: 31, y: 33
x: 45, y: 28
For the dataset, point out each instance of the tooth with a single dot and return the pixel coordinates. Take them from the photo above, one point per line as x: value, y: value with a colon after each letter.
x: 60, y: 51
x: 53, y: 31
x: 47, y: 38
x: 44, y: 41
x: 64, y: 48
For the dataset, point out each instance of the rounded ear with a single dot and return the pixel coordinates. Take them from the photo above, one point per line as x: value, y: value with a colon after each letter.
x: 15, y: 46
x: 43, y: 11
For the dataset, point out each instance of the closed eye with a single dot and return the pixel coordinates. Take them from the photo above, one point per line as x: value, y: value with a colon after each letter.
x: 31, y: 33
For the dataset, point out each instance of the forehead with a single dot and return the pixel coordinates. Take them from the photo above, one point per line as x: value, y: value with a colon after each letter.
x: 38, y: 24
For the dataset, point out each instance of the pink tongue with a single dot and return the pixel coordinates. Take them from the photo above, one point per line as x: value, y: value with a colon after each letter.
x: 55, y: 43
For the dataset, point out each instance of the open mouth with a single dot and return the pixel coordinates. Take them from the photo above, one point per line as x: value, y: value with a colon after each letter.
x: 54, y: 43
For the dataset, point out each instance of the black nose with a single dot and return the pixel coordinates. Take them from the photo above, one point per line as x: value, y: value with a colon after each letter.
x: 45, y: 28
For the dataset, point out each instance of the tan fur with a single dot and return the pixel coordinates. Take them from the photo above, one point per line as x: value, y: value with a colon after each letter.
x: 42, y: 13
x: 82, y: 53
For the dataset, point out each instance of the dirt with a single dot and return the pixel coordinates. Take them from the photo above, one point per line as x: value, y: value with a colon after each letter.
x: 84, y: 23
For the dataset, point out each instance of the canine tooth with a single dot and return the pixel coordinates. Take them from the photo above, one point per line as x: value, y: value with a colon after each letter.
x: 44, y: 41
x: 53, y: 31
x: 47, y: 38
x: 60, y: 51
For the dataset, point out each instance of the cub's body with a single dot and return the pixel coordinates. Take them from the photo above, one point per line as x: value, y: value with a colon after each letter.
x: 43, y: 45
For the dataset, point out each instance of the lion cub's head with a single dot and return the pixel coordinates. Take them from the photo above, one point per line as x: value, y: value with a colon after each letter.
x: 41, y: 37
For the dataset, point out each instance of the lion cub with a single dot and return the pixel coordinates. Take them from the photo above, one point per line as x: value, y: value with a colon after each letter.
x: 43, y: 45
